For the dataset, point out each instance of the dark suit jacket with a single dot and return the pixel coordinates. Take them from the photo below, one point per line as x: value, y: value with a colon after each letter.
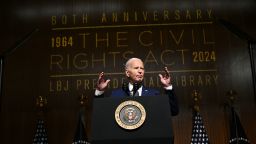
x: 152, y: 92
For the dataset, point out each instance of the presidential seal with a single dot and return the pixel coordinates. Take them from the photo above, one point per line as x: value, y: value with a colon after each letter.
x: 130, y: 115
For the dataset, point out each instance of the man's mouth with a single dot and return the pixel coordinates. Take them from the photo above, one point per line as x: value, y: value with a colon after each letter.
x: 139, y: 76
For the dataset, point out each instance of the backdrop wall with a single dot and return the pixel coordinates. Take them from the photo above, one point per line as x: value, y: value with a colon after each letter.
x: 72, y: 41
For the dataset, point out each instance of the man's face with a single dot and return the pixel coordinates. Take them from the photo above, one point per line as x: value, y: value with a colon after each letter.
x: 135, y: 71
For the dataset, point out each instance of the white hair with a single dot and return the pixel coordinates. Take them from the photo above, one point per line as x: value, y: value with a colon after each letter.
x: 128, y: 62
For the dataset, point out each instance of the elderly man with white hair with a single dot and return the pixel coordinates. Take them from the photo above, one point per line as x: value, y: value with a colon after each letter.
x: 134, y: 71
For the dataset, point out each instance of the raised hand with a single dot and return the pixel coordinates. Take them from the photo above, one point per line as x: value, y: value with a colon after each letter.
x: 102, y: 83
x: 165, y: 78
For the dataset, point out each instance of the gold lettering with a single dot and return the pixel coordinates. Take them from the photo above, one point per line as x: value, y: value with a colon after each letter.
x: 94, y: 82
x: 82, y: 84
x: 114, y: 17
x: 199, y: 81
x: 127, y: 53
x: 209, y: 12
x: 182, y: 55
x: 166, y: 15
x: 196, y: 80
x: 205, y: 41
x: 183, y: 81
x: 177, y: 41
x: 192, y: 80
x: 177, y: 15
x: 60, y: 86
x: 78, y: 84
x: 103, y: 17
x: 84, y: 38
x: 188, y: 16
x: 85, y: 18
x: 106, y: 39
x: 86, y: 84
x: 53, y: 20
x: 64, y: 19
x: 126, y: 16
x: 56, y: 60
x: 135, y: 16
x: 145, y: 15
x: 114, y: 57
x: 198, y: 14
x: 150, y: 58
x: 207, y: 80
x: 149, y: 81
x: 103, y: 60
x: 163, y: 56
x: 140, y: 38
x: 66, y: 87
x: 81, y: 61
x: 215, y: 77
x: 119, y: 38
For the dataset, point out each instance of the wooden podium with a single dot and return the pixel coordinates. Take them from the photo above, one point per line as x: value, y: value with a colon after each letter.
x: 156, y: 129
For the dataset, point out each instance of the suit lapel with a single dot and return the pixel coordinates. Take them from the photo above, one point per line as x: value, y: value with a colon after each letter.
x: 145, y: 91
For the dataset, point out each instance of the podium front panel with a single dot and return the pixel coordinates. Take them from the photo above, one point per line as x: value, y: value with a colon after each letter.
x: 156, y: 129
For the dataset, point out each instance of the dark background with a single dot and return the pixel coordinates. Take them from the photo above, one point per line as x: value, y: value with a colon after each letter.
x: 28, y: 72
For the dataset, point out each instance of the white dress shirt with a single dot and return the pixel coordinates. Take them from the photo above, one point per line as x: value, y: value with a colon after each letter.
x: 131, y: 89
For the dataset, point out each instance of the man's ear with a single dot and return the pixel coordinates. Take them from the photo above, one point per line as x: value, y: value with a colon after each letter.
x: 127, y: 73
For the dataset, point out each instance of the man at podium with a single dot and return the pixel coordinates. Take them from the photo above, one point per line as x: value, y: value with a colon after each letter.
x: 134, y: 71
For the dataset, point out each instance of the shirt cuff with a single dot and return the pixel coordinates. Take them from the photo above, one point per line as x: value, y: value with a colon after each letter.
x: 98, y: 92
x: 169, y: 87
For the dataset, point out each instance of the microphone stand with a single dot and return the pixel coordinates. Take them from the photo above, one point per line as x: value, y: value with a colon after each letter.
x: 251, y: 46
x: 9, y: 51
